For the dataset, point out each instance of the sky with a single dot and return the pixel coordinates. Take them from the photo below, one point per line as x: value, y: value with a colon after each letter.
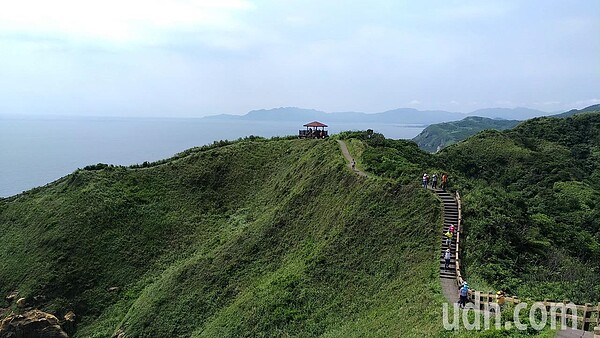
x: 188, y: 58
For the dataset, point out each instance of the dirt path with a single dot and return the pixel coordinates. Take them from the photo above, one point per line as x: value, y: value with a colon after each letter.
x: 349, y: 158
x: 573, y: 334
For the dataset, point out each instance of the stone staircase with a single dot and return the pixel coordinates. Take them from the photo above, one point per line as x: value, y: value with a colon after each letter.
x: 448, y: 277
x: 450, y: 217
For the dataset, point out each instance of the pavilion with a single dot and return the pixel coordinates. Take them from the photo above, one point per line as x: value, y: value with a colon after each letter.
x: 312, y: 130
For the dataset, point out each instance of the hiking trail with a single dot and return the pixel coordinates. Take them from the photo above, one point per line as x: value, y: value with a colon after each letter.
x: 448, y: 276
x: 349, y: 158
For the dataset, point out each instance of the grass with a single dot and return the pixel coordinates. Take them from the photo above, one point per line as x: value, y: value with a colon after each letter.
x: 250, y: 238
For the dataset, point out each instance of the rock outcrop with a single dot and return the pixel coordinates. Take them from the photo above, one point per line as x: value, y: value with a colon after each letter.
x: 21, y: 302
x: 32, y: 324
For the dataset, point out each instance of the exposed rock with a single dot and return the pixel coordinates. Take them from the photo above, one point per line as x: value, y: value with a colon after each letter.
x: 21, y: 302
x: 70, y: 316
x: 113, y: 289
x: 31, y: 324
x: 11, y: 297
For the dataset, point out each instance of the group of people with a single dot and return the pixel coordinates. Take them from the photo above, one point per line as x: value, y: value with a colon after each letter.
x: 433, y: 181
x: 316, y: 133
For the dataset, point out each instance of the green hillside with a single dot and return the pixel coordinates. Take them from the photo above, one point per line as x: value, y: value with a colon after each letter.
x: 589, y: 109
x: 532, y: 206
x: 531, y: 203
x: 253, y: 238
x: 278, y: 237
x: 440, y: 135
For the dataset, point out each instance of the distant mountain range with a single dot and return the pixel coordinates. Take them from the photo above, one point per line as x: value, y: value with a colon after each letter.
x: 440, y: 135
x: 400, y: 115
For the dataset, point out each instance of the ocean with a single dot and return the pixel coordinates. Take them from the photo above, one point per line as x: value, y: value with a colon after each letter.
x: 37, y: 151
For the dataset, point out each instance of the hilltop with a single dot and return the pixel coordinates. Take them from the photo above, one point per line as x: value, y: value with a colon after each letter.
x: 441, y: 135
x: 572, y: 112
x: 256, y: 237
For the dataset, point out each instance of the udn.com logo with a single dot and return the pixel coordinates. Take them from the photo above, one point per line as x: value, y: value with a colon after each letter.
x: 478, y: 316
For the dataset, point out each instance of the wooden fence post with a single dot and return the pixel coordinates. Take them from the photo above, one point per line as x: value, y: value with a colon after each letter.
x: 587, y: 315
x: 598, y: 316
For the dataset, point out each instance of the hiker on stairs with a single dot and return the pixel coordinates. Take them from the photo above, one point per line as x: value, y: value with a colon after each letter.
x: 444, y: 181
x: 463, y: 293
x: 434, y: 181
x: 448, y: 238
x: 447, y: 259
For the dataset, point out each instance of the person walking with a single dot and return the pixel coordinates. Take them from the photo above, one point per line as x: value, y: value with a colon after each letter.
x: 448, y: 238
x: 444, y: 182
x: 463, y: 293
x: 425, y: 180
x: 500, y: 298
x: 447, y: 259
x: 434, y: 180
x: 451, y: 229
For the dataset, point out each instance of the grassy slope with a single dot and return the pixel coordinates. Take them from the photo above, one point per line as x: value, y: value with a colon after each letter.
x: 256, y: 238
x: 445, y: 134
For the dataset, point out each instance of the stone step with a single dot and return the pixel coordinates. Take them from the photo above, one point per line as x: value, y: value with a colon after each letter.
x: 447, y: 275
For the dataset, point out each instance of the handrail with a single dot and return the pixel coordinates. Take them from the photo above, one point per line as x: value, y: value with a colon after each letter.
x: 459, y: 279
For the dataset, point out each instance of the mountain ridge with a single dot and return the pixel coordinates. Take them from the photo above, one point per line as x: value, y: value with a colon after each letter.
x: 245, y: 238
x: 440, y: 135
x: 399, y: 115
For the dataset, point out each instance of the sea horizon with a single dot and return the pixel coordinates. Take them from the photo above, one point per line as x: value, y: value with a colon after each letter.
x: 37, y: 150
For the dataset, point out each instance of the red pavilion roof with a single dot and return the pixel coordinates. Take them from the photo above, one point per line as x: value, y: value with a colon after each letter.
x: 315, y: 124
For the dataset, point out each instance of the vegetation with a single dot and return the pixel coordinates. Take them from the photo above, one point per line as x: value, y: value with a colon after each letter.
x: 531, y: 204
x: 440, y: 135
x: 277, y: 237
x: 532, y: 207
x: 249, y: 238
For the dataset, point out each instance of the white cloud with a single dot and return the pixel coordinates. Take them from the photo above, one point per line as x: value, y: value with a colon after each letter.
x: 118, y: 21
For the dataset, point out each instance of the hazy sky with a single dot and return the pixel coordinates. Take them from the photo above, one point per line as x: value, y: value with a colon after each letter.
x: 201, y: 57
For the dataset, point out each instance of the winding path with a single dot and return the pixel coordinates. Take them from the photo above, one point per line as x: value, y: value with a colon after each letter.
x: 349, y: 158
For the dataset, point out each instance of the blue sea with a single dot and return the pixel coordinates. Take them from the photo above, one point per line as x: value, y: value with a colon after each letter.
x: 37, y: 151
